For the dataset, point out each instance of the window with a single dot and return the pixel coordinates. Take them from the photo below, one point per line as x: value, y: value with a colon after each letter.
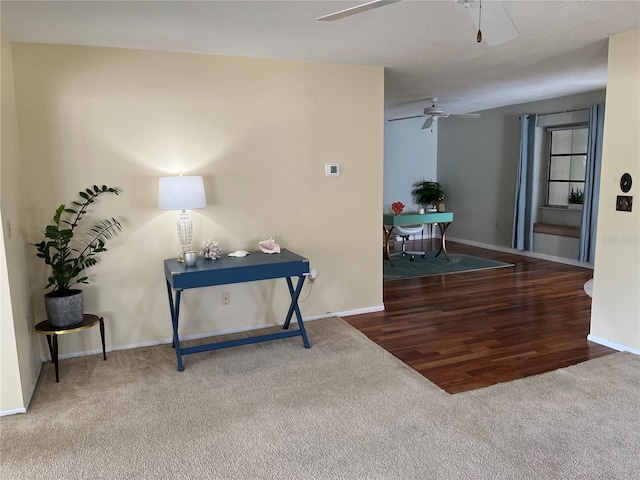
x: 567, y: 164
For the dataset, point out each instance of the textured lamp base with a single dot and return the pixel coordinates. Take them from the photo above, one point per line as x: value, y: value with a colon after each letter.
x: 185, y: 233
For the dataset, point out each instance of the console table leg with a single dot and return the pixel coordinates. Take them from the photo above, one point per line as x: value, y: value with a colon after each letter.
x: 295, y: 294
x: 294, y: 299
x: 175, y: 314
x: 303, y: 330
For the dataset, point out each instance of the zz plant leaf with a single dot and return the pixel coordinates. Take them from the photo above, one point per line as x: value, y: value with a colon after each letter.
x: 66, y: 261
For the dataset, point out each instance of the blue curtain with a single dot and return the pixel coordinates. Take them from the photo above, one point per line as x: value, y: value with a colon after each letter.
x: 591, y: 185
x: 522, y: 235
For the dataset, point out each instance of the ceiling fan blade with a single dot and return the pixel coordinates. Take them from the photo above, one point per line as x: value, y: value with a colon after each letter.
x: 465, y: 115
x: 357, y: 9
x: 428, y: 123
x: 405, y: 118
x: 497, y: 26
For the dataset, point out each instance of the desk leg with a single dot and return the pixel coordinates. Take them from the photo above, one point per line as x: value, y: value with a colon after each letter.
x: 104, y: 350
x: 175, y: 314
x: 386, y: 245
x: 295, y: 294
x: 443, y: 246
x: 55, y: 355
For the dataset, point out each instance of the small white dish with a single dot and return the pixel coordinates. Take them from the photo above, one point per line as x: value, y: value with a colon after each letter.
x: 239, y: 253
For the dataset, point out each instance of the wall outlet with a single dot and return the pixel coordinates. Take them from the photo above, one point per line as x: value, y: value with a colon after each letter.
x: 313, y: 274
x: 624, y: 203
x: 226, y: 298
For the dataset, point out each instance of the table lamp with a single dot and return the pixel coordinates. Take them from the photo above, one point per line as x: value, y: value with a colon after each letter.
x: 182, y: 193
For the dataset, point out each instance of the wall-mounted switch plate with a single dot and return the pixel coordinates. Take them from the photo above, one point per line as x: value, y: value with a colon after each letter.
x: 332, y: 169
x: 624, y: 203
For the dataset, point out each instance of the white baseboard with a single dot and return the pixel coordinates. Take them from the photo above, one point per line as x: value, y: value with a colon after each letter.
x: 524, y: 253
x: 216, y: 333
x: 358, y: 311
x: 615, y: 346
x: 12, y: 411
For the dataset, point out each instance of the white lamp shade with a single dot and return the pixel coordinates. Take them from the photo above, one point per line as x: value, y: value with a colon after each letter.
x: 181, y: 193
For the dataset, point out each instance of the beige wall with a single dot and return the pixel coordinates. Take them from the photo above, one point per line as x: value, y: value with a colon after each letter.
x: 19, y: 351
x: 615, y: 315
x: 11, y: 398
x: 259, y: 131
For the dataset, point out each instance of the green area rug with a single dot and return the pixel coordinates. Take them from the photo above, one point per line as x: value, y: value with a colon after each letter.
x: 430, y: 265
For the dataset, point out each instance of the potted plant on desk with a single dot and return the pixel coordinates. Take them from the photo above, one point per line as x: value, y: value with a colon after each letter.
x: 428, y: 194
x: 68, y: 261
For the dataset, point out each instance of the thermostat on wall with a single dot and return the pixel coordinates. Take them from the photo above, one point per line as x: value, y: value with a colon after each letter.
x: 332, y: 169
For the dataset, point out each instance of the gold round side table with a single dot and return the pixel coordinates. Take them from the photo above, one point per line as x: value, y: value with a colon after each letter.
x: 45, y: 328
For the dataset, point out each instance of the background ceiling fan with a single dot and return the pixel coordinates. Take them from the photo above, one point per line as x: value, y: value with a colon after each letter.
x: 492, y: 17
x: 434, y: 112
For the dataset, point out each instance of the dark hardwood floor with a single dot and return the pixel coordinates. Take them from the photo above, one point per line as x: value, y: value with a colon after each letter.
x: 474, y: 329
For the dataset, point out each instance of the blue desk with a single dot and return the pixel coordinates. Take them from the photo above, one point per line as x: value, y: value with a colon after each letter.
x: 443, y: 220
x: 254, y: 267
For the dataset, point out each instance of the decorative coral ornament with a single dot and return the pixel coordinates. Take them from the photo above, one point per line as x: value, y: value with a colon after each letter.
x: 211, y: 249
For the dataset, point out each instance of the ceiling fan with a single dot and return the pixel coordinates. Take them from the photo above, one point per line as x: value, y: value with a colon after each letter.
x: 499, y: 28
x: 434, y: 112
x: 357, y: 9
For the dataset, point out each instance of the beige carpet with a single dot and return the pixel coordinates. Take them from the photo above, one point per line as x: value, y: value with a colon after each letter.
x: 344, y: 409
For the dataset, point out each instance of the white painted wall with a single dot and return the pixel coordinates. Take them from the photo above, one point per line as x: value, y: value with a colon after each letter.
x: 410, y: 155
x: 615, y: 310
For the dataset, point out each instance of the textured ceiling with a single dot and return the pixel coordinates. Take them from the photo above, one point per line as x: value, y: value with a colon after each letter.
x: 428, y: 48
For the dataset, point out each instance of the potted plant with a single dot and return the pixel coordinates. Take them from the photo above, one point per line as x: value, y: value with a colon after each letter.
x: 68, y: 260
x: 427, y: 193
x: 576, y: 198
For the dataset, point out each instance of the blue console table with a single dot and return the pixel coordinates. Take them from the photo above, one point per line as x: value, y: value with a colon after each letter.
x: 442, y: 219
x: 254, y: 267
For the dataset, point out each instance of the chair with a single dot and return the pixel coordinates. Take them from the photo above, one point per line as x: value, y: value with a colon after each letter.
x: 404, y: 231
